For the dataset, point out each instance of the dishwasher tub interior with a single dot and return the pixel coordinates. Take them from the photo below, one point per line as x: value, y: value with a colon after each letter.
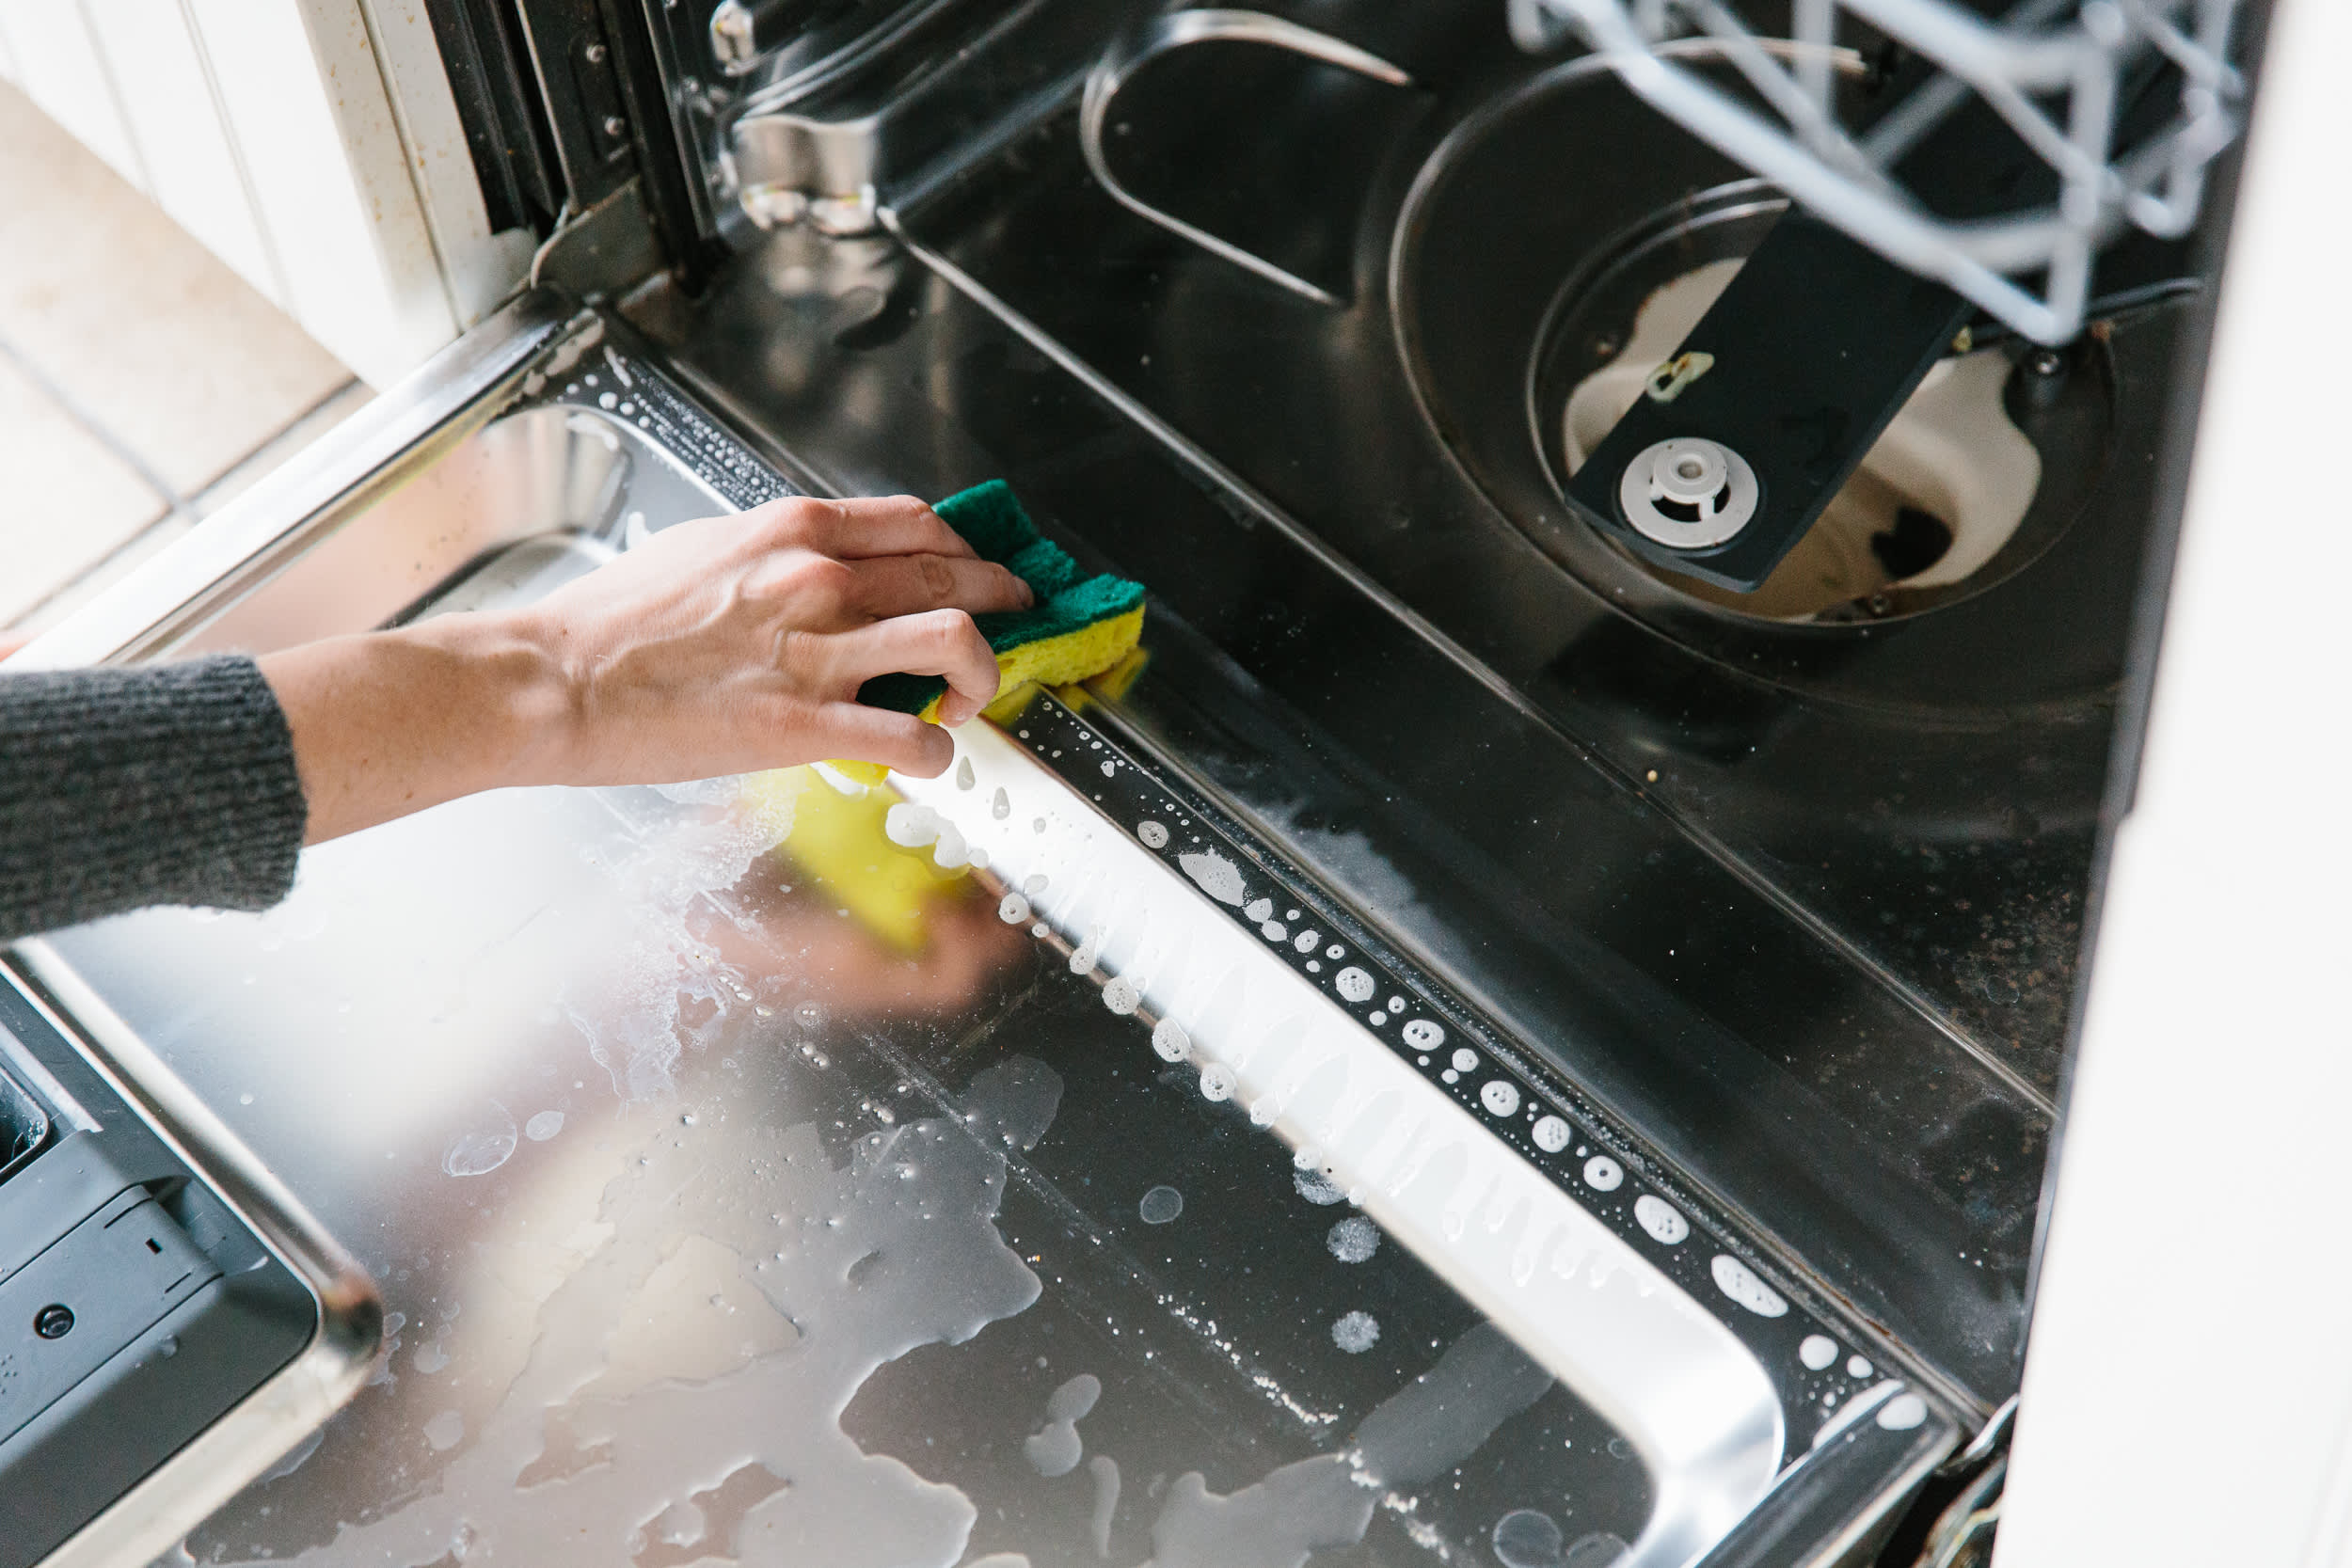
x: 1156, y: 1207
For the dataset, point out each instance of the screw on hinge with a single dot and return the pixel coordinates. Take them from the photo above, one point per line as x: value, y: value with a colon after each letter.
x: 54, y: 1322
x: 595, y: 53
x: 615, y: 126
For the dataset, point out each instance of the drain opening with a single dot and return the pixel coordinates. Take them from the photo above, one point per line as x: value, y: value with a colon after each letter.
x: 1947, y: 486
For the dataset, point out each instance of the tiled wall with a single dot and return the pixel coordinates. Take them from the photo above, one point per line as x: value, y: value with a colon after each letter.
x: 312, y: 144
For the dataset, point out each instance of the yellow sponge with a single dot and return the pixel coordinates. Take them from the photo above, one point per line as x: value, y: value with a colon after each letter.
x: 838, y: 838
x: 1079, y: 626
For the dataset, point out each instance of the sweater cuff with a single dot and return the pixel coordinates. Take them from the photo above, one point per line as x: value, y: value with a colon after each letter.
x: 173, y: 783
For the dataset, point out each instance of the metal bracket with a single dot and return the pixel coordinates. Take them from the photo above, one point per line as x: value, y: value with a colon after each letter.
x: 1177, y: 31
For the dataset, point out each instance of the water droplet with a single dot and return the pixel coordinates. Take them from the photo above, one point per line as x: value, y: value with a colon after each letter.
x: 1154, y: 835
x: 1013, y: 909
x: 1160, y: 1205
x: 1902, y: 1412
x: 1422, y: 1035
x: 1121, y: 996
x: 1353, y: 984
x: 1602, y: 1174
x: 1528, y: 1538
x: 911, y: 826
x: 1662, y: 1219
x: 964, y: 773
x: 1858, y: 1367
x: 1817, y: 1351
x: 483, y: 1148
x: 546, y: 1125
x: 1464, y: 1060
x: 1216, y: 1082
x: 1552, y: 1134
x: 1738, y: 1281
x: 1170, y: 1040
x: 1501, y: 1097
x: 1000, y: 804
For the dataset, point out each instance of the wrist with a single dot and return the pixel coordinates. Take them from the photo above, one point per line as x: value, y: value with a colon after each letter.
x: 515, y: 696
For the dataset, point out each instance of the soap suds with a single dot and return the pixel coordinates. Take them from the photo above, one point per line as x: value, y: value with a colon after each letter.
x: 1105, y: 1470
x: 1216, y: 875
x: 1315, y: 1187
x: 1354, y: 1239
x: 659, y: 969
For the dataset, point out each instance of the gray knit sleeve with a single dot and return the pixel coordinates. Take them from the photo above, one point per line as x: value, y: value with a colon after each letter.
x: 170, y: 784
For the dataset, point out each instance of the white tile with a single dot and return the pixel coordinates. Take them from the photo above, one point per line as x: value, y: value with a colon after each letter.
x: 309, y: 114
x: 58, y: 63
x: 68, y: 501
x: 192, y: 171
x: 145, y: 330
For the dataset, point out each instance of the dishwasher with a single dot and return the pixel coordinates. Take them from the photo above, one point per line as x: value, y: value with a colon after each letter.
x: 1524, y: 1026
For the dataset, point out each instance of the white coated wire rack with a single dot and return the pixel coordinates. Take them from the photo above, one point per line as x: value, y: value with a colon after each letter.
x: 2049, y: 68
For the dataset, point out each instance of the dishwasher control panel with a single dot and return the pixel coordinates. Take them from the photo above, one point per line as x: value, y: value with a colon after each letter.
x: 135, y: 1307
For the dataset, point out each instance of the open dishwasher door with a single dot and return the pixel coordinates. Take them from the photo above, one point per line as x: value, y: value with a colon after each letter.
x: 1065, y: 1172
x: 1477, y: 1046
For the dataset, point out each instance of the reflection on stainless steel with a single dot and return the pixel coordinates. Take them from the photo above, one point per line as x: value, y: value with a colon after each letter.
x: 795, y: 168
x: 1177, y: 30
x: 397, y: 436
x: 546, y: 474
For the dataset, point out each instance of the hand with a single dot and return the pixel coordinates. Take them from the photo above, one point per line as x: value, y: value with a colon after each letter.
x: 740, y: 643
x: 719, y: 647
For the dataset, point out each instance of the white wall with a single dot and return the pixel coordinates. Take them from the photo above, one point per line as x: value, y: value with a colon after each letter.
x: 312, y: 144
x: 2189, y: 1384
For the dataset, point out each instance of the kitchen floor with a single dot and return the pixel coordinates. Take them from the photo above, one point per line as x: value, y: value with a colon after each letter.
x: 143, y: 384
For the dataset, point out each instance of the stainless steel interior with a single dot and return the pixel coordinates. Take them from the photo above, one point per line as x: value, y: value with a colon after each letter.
x: 716, y: 1225
x: 710, y: 1223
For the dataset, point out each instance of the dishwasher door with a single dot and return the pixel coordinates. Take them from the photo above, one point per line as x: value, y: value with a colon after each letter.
x: 1051, y: 1172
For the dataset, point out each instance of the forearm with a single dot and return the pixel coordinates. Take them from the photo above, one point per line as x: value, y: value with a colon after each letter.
x: 392, y: 723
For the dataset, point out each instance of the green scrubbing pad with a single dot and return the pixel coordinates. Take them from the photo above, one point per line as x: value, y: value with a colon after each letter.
x: 1079, y: 625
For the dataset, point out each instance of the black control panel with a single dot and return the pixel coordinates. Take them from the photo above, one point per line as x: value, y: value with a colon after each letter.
x: 136, y: 1308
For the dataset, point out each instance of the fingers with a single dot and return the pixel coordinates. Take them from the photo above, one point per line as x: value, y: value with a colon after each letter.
x: 894, y: 585
x: 859, y: 528
x: 936, y: 642
x: 900, y: 741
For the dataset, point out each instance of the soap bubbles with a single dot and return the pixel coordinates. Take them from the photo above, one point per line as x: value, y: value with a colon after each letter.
x: 1355, y: 1332
x: 1354, y: 1239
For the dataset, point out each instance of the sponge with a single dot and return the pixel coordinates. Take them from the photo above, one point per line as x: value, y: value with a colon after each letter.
x: 1079, y: 626
x: 842, y: 841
